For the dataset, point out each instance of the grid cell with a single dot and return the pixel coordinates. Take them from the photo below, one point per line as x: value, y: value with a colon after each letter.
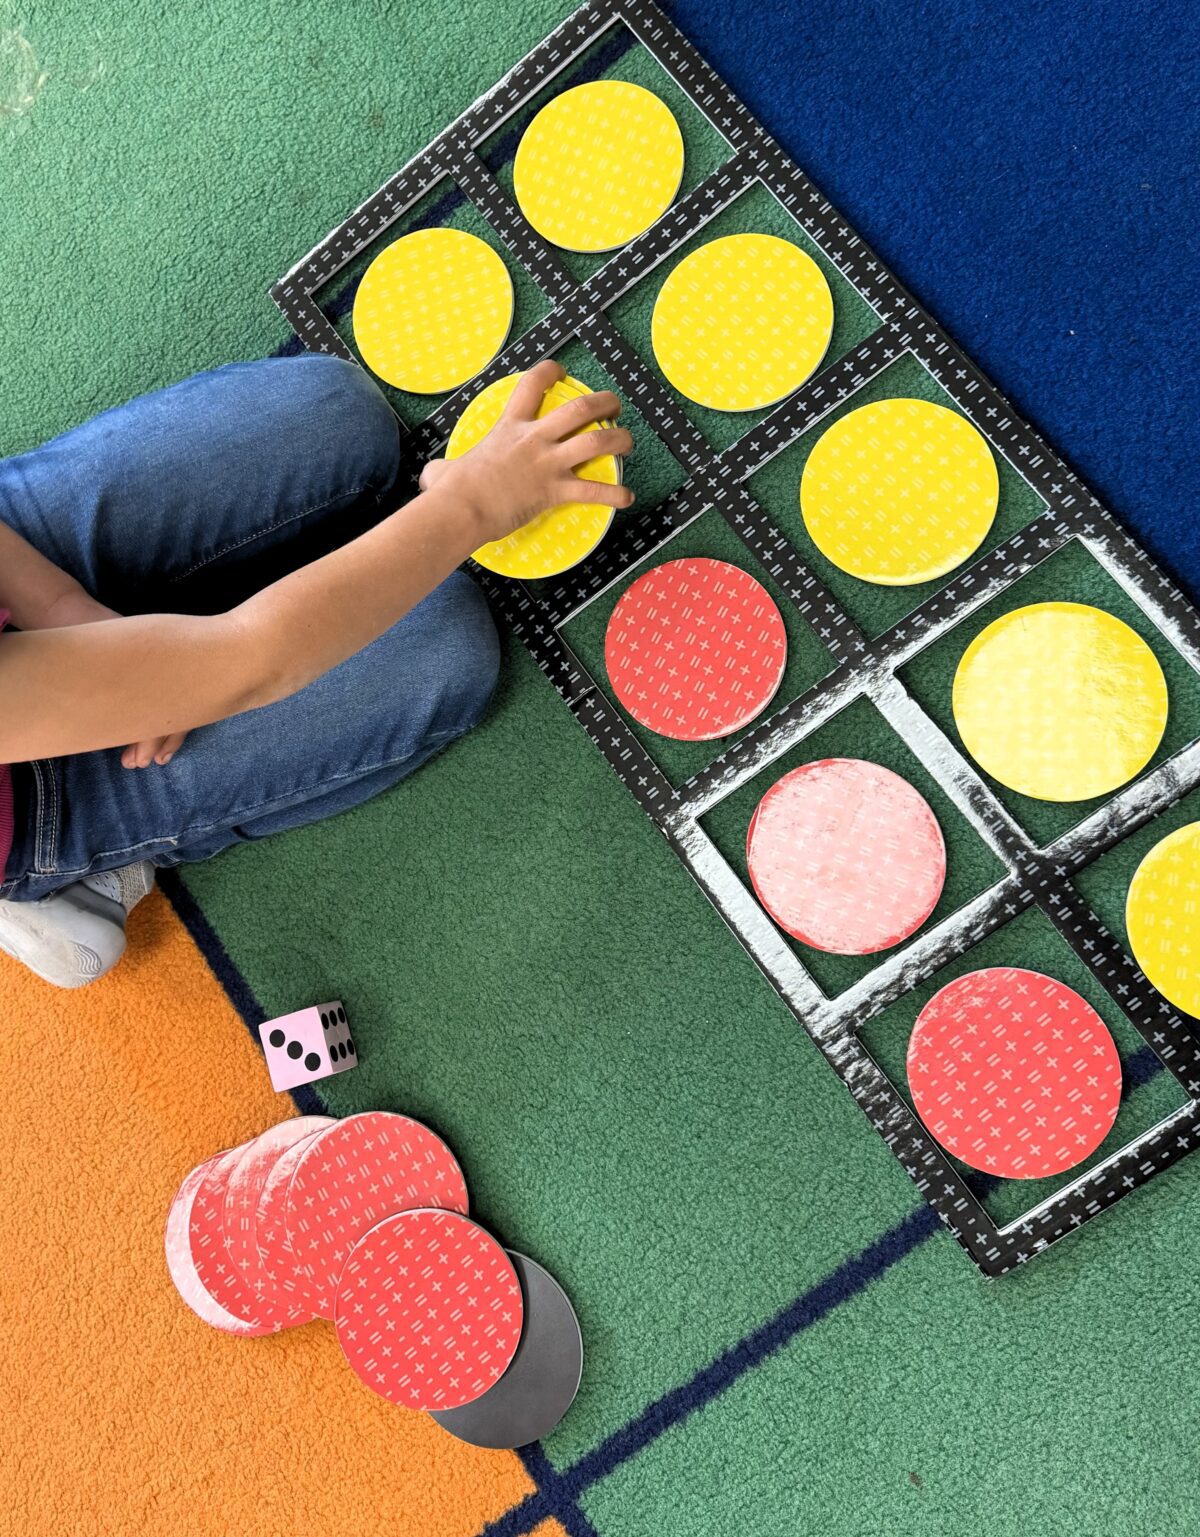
x: 859, y: 731
x: 776, y: 486
x: 1075, y: 573
x: 753, y: 211
x: 1149, y: 1095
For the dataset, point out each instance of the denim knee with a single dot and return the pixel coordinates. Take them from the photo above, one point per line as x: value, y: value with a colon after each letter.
x: 471, y: 663
x: 358, y: 425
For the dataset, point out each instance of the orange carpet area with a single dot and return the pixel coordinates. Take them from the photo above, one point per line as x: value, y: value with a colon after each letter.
x: 131, y: 1415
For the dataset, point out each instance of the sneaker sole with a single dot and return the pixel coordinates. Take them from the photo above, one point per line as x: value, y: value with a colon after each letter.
x: 81, y: 942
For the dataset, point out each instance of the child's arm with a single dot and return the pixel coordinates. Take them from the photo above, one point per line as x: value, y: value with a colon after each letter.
x: 36, y: 593
x: 127, y: 680
x: 40, y: 596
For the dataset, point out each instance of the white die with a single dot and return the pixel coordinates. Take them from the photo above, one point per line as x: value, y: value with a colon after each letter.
x: 308, y: 1045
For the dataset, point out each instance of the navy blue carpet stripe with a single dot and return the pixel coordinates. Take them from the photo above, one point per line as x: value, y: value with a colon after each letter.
x: 557, y: 1493
x: 847, y: 1280
x: 237, y: 989
x: 1138, y: 1068
x: 497, y: 154
x: 546, y: 1477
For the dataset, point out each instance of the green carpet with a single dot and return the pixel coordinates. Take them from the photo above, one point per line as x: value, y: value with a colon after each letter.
x: 527, y: 965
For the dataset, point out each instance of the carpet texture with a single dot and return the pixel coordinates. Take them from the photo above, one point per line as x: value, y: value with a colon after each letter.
x: 134, y: 1416
x: 779, y: 1337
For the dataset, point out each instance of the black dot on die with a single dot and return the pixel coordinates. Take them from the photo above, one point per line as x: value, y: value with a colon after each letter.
x: 341, y: 1014
x: 349, y: 1045
x: 276, y: 1038
x: 325, y: 1021
x: 312, y: 1062
x: 294, y: 1049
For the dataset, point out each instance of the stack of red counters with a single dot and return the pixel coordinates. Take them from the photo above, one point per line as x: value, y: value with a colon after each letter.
x: 362, y: 1221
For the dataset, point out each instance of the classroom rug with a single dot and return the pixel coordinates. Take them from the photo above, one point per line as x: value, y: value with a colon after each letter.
x: 779, y: 1336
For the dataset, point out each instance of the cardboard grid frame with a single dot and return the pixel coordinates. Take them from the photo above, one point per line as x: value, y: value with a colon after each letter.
x: 1034, y: 875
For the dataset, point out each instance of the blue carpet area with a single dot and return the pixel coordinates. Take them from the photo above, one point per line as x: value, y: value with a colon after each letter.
x: 1029, y: 170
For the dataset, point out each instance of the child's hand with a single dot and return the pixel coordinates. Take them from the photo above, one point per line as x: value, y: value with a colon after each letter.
x: 525, y: 465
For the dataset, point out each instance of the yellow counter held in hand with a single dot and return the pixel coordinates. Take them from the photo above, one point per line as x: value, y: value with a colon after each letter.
x: 562, y: 536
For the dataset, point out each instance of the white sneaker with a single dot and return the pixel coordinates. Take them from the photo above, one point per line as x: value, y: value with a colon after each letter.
x: 75, y: 935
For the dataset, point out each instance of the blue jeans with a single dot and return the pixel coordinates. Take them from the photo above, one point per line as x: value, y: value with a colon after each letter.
x: 188, y: 500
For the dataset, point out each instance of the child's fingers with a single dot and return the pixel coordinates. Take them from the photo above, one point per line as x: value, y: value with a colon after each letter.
x: 525, y: 399
x: 591, y: 445
x: 139, y: 755
x: 432, y: 473
x: 155, y: 749
x: 600, y: 406
x: 578, y: 488
x: 169, y: 746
